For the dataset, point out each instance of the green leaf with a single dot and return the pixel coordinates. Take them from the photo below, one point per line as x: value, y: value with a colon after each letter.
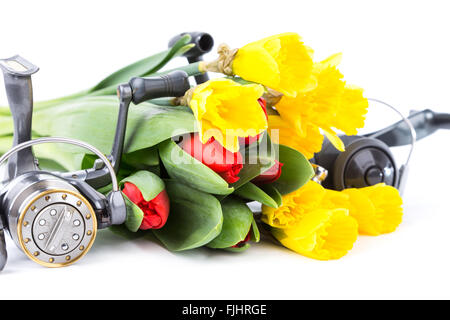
x: 145, y: 66
x: 93, y: 120
x: 55, y: 152
x: 250, y: 191
x: 195, y: 218
x: 255, y: 235
x: 147, y: 182
x: 134, y: 215
x: 237, y: 220
x: 6, y: 143
x: 296, y: 170
x: 273, y: 193
x: 190, y: 171
x: 6, y: 125
x: 143, y: 158
x: 50, y: 165
x: 258, y: 158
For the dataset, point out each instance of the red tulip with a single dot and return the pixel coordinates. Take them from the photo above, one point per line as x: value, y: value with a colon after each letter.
x: 249, y: 140
x: 212, y: 154
x: 156, y: 211
x: 270, y: 175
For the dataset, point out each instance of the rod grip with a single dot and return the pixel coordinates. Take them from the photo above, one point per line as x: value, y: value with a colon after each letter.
x: 174, y: 84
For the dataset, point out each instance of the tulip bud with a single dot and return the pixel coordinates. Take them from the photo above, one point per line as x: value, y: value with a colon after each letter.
x: 156, y: 211
x: 225, y: 163
x: 243, y: 242
x: 251, y: 139
x: 270, y: 175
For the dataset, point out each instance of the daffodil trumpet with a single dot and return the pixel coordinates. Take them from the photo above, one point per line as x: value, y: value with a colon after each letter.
x: 226, y: 111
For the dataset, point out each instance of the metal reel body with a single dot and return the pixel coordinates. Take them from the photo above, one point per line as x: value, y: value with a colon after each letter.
x: 48, y: 218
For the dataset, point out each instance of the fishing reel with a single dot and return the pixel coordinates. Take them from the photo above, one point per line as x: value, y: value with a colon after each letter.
x: 368, y: 159
x: 53, y: 217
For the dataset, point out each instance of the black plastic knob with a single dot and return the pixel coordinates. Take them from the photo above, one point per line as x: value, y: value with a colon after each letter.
x: 174, y: 84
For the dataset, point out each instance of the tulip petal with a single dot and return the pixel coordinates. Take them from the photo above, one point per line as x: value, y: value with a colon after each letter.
x: 190, y: 171
x: 146, y: 182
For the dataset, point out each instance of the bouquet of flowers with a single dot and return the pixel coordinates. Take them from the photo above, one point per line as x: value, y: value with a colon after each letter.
x: 193, y: 163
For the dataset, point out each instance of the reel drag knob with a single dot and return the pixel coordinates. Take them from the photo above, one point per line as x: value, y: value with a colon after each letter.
x: 57, y: 228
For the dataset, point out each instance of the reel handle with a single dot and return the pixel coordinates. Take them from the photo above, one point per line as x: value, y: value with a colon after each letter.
x: 174, y: 84
x: 17, y: 74
x: 204, y: 42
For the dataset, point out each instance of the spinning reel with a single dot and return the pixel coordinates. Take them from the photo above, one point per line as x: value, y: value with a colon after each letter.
x: 368, y: 160
x: 53, y: 217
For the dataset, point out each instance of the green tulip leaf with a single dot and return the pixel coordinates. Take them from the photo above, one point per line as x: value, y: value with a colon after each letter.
x: 190, y: 171
x: 296, y: 170
x: 147, y: 182
x: 195, y: 218
x: 6, y: 125
x: 258, y: 158
x: 273, y: 193
x: 134, y: 215
x: 145, y: 66
x: 93, y: 120
x: 141, y: 159
x: 250, y: 191
x: 255, y: 236
x: 237, y: 220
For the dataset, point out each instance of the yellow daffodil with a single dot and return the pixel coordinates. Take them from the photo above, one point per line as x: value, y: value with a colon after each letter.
x: 304, y: 225
x: 295, y: 206
x: 226, y: 110
x: 332, y: 105
x: 307, y: 141
x: 322, y: 234
x: 378, y: 209
x: 281, y: 62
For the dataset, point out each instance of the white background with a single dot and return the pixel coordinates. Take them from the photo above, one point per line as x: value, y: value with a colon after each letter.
x: 397, y: 50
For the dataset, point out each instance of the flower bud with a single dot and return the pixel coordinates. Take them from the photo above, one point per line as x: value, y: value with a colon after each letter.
x: 243, y: 242
x: 225, y: 163
x: 270, y: 175
x: 226, y: 110
x: 156, y: 211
